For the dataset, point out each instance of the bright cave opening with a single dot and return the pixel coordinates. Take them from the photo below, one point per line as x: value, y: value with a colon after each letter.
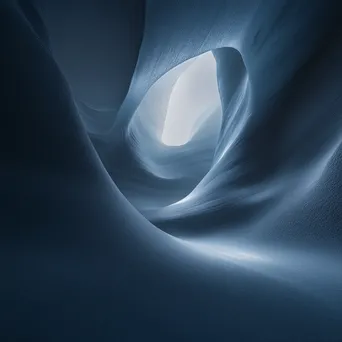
x: 193, y: 99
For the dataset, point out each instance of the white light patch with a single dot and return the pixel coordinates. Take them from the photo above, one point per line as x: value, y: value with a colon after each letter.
x: 195, y: 92
x: 232, y: 253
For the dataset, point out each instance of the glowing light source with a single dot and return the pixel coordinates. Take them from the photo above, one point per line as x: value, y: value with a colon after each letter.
x: 194, y: 94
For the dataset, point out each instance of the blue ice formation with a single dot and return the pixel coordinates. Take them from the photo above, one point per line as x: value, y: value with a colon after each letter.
x: 171, y: 170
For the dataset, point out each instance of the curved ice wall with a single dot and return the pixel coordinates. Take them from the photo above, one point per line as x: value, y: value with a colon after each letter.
x: 110, y: 234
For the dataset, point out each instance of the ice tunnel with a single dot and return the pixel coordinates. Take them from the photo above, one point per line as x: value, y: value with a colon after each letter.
x: 171, y: 170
